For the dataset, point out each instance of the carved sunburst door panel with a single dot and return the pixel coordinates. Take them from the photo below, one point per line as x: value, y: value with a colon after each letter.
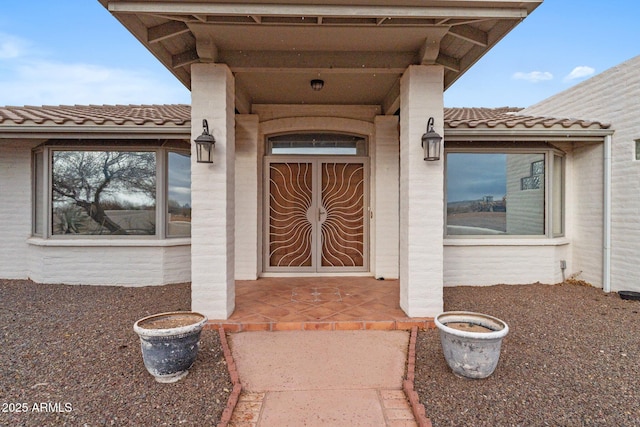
x: 290, y: 200
x: 316, y: 216
x: 342, y: 215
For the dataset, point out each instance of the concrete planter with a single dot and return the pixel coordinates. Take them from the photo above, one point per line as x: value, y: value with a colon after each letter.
x: 471, y: 342
x: 169, y: 343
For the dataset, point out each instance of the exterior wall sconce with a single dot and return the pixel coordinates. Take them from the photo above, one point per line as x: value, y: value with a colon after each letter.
x: 431, y: 143
x: 317, y: 84
x: 205, y: 144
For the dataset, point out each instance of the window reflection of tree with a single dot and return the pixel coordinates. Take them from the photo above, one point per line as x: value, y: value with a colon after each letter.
x: 89, y: 185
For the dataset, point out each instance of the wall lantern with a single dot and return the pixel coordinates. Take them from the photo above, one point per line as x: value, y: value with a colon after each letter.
x: 205, y: 144
x: 431, y: 142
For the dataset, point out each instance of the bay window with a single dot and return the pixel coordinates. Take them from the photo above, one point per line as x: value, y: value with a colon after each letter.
x: 101, y: 190
x: 504, y: 191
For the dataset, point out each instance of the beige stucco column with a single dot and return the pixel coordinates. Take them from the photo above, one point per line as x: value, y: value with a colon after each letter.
x: 248, y: 172
x: 386, y: 166
x: 421, y: 193
x: 213, y: 193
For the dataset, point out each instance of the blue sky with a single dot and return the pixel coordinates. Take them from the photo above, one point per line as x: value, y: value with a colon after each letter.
x: 471, y: 176
x: 75, y: 52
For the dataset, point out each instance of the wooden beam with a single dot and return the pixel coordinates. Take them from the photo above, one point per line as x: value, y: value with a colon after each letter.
x: 185, y: 58
x: 206, y: 47
x: 431, y: 47
x: 449, y: 62
x: 181, y: 18
x: 365, y: 61
x: 200, y: 17
x: 391, y: 102
x: 243, y: 100
x: 317, y: 70
x: 166, y: 30
x: 456, y: 22
x: 429, y: 51
x: 470, y: 34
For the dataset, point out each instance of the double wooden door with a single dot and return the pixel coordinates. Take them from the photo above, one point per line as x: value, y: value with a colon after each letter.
x: 316, y: 215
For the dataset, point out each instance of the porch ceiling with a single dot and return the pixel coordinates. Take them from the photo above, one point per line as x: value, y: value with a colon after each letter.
x: 359, y: 48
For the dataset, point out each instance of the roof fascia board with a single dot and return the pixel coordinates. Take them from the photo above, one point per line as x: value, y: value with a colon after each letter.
x: 184, y: 8
x: 529, y: 134
x: 94, y: 132
x: 100, y: 132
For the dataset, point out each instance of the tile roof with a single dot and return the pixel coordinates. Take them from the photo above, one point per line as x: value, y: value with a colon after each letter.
x: 509, y: 117
x: 180, y: 114
x: 177, y: 114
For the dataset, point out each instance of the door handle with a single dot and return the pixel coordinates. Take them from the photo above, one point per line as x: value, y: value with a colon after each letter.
x: 321, y: 211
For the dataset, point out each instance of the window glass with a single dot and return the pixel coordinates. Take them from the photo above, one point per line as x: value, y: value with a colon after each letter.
x: 318, y: 144
x: 103, y: 192
x: 557, y: 185
x: 179, y: 195
x: 38, y: 193
x: 495, y: 194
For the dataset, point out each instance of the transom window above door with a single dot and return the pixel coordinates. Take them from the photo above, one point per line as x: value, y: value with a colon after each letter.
x: 322, y: 144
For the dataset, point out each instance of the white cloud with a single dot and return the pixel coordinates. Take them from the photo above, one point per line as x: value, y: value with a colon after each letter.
x: 30, y: 78
x: 533, y: 76
x: 579, y: 72
x: 11, y: 46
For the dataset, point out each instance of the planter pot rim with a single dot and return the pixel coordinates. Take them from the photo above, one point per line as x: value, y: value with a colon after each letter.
x: 471, y: 317
x: 197, y: 323
x: 629, y: 295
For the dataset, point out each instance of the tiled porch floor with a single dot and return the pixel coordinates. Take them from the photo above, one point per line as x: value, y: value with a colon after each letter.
x: 318, y: 303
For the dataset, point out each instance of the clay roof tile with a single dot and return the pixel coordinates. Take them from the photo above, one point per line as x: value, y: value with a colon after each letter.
x: 180, y: 114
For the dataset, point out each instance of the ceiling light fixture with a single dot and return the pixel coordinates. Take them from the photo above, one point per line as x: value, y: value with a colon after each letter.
x: 317, y: 84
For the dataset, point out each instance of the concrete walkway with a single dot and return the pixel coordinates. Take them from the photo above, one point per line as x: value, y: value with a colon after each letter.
x: 321, y: 378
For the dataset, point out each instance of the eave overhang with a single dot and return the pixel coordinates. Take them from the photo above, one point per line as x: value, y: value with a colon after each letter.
x: 174, y: 122
x: 107, y: 132
x: 360, y: 47
x: 595, y: 134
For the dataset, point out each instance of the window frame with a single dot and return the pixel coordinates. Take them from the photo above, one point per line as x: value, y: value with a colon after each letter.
x: 271, y: 138
x: 165, y: 177
x: 161, y: 148
x: 550, y: 153
x: 38, y: 184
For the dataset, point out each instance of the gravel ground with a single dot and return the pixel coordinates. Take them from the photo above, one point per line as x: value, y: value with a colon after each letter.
x: 572, y: 358
x: 69, y: 356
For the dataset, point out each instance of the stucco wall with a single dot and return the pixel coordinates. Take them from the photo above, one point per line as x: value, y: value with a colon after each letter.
x: 611, y: 97
x: 131, y: 262
x: 247, y: 198
x: 90, y: 262
x: 15, y: 207
x: 386, y: 215
x: 484, y: 262
x: 585, y: 217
